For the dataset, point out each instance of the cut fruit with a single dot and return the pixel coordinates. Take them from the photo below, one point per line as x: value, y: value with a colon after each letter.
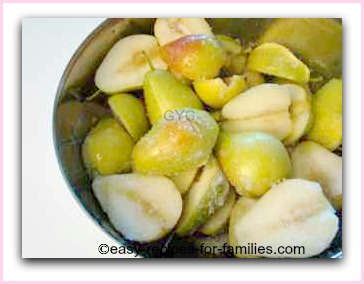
x: 142, y: 208
x: 261, y: 108
x: 206, y: 195
x: 231, y: 46
x: 300, y: 111
x: 241, y: 208
x: 125, y: 65
x: 220, y: 218
x: 317, y: 40
x: 313, y: 162
x: 164, y: 94
x: 217, y: 92
x: 195, y: 57
x: 167, y: 30
x: 176, y: 145
x: 276, y: 60
x: 277, y: 124
x: 108, y: 148
x: 130, y: 112
x: 252, y: 161
x: 326, y: 126
x: 259, y: 100
x: 253, y: 78
x: 235, y: 58
x: 184, y: 180
x: 294, y: 213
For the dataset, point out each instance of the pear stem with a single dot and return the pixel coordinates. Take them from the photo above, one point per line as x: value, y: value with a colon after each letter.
x: 94, y: 95
x: 148, y: 60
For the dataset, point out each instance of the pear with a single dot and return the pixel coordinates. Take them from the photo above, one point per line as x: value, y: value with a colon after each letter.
x: 184, y: 180
x: 253, y: 78
x: 326, y: 128
x: 276, y: 60
x: 241, y: 208
x: 130, y: 112
x: 313, y: 162
x: 176, y: 144
x: 164, y: 94
x: 252, y: 161
x: 142, y: 208
x: 125, y: 65
x: 300, y: 112
x: 108, y: 148
x: 167, y: 30
x: 317, y: 40
x: 293, y: 213
x: 207, y: 194
x: 235, y: 58
x: 217, y: 92
x: 219, y: 219
x: 263, y: 107
x: 195, y: 57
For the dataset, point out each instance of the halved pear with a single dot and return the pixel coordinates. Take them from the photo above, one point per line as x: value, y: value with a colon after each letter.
x: 300, y: 112
x: 252, y: 161
x: 241, y: 207
x: 326, y: 126
x: 220, y: 218
x: 264, y: 108
x: 167, y: 30
x: 253, y: 78
x: 293, y: 213
x: 217, y: 92
x: 276, y: 60
x: 125, y: 65
x: 142, y: 208
x: 277, y: 124
x: 108, y: 148
x: 181, y: 142
x: 206, y: 195
x: 131, y: 113
x: 313, y: 162
x: 317, y: 40
x: 258, y: 100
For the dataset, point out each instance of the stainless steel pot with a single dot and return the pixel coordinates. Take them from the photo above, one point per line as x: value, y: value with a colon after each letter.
x: 73, y: 120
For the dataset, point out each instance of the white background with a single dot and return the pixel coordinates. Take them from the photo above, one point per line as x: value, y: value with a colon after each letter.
x: 54, y: 225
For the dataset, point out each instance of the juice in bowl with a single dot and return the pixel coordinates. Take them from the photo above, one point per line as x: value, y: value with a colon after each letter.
x: 192, y: 137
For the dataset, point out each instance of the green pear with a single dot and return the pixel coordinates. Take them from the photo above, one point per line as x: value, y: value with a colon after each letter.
x: 108, y: 148
x: 130, y: 112
x: 164, y: 94
x: 326, y: 128
x: 276, y: 60
x: 313, y: 162
x: 207, y: 194
x: 176, y: 144
x: 252, y: 161
x: 317, y: 40
x: 220, y: 218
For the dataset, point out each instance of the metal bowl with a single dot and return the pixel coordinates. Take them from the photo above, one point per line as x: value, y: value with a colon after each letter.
x: 73, y: 117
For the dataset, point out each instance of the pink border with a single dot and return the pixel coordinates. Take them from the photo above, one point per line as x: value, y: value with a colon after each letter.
x: 163, y: 1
